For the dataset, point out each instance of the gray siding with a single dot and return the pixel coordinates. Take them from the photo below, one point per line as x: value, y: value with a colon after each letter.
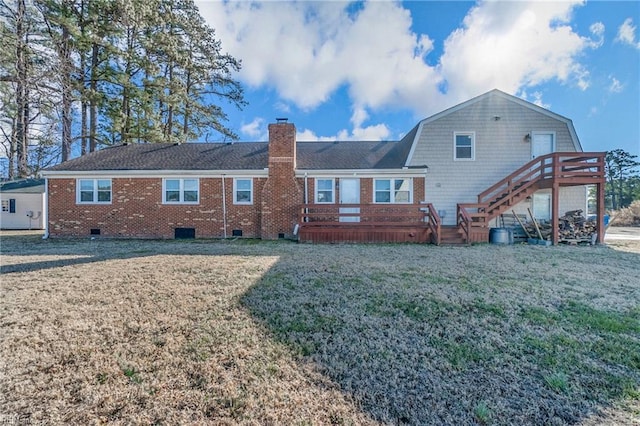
x: 571, y: 198
x: 500, y: 148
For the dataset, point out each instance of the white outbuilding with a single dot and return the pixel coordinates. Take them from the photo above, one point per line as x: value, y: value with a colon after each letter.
x: 23, y: 204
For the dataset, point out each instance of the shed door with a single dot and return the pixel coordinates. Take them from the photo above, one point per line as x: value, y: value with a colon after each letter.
x: 542, y: 206
x: 542, y: 143
x: 349, y: 194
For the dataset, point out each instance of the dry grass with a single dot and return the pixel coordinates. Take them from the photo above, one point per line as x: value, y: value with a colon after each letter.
x: 279, y: 333
x: 629, y: 216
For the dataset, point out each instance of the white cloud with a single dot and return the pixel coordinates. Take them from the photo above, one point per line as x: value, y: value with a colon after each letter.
x: 615, y: 86
x: 597, y: 29
x: 282, y: 107
x: 627, y: 33
x: 514, y: 45
x: 255, y: 129
x: 369, y: 133
x: 309, y: 136
x: 306, y: 51
x: 535, y: 98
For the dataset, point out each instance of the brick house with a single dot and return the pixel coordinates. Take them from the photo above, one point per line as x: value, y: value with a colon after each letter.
x: 454, y: 172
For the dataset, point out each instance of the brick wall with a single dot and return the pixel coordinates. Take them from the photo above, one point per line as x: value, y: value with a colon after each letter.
x: 366, y: 189
x: 136, y: 210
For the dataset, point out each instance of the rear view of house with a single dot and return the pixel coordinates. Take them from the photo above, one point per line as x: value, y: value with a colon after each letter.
x: 456, y: 171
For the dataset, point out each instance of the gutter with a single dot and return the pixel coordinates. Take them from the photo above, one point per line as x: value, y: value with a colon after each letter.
x: 153, y: 173
x: 363, y: 173
x: 46, y: 209
x: 224, y: 210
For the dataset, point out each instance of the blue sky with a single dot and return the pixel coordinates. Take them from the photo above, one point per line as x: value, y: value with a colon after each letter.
x: 370, y: 70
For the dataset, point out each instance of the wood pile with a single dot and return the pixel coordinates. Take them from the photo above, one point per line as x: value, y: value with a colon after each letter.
x: 574, y: 228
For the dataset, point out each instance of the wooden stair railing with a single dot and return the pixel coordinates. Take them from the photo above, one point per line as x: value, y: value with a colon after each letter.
x: 562, y: 168
x: 434, y: 223
x: 470, y: 216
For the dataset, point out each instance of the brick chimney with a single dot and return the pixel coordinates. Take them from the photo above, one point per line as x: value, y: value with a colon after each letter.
x: 281, y: 195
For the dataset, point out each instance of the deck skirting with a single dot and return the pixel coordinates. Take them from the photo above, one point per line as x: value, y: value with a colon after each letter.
x: 364, y: 234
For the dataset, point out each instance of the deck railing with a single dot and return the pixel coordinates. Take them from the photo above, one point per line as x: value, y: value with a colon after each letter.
x: 368, y: 223
x: 472, y: 219
x: 434, y: 222
x: 314, y: 215
x: 565, y: 168
x: 470, y: 216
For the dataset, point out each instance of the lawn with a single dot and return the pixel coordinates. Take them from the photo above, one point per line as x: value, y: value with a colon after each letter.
x: 246, y: 332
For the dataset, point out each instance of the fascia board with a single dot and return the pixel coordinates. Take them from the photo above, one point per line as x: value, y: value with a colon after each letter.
x: 414, y: 144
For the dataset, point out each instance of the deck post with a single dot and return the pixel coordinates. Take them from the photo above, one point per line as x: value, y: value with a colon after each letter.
x: 600, y: 211
x: 555, y: 213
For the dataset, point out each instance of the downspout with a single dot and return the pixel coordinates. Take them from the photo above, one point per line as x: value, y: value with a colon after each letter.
x: 224, y: 209
x: 46, y: 209
x: 306, y: 194
x: 425, y: 183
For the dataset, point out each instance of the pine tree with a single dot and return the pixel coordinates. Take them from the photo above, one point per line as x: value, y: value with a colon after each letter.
x: 139, y: 71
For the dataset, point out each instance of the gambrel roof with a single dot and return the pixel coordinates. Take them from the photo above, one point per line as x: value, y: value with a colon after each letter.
x: 503, y: 95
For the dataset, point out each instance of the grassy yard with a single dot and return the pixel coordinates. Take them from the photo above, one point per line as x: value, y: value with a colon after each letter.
x: 243, y: 332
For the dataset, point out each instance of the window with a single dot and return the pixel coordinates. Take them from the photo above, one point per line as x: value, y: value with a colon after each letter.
x: 94, y: 191
x: 5, y: 205
x: 392, y: 191
x: 243, y: 191
x: 324, y: 191
x: 464, y: 145
x: 181, y: 191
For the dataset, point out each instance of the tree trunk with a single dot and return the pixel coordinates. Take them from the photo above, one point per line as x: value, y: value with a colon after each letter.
x: 84, y: 107
x: 65, y: 59
x: 185, y: 122
x: 93, y: 103
x: 12, y: 151
x: 169, y: 126
x: 22, y: 92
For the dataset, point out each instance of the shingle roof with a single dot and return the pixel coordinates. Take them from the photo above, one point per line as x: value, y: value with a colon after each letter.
x: 350, y: 155
x: 240, y: 156
x: 22, y: 185
x: 162, y: 156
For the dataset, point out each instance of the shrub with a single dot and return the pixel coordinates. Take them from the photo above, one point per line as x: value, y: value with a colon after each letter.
x: 628, y: 216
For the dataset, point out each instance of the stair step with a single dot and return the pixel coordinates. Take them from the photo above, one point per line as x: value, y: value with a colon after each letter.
x: 451, y: 236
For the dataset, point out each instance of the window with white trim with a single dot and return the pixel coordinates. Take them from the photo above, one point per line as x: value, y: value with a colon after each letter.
x: 180, y: 191
x: 242, y: 191
x: 464, y: 145
x: 5, y: 205
x: 93, y: 191
x: 325, y: 191
x: 392, y: 191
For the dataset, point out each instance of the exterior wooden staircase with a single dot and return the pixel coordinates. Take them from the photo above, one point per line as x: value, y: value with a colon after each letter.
x: 451, y: 236
x: 548, y: 171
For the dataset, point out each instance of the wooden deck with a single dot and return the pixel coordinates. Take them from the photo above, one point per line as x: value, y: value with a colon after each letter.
x: 367, y: 223
x: 376, y: 223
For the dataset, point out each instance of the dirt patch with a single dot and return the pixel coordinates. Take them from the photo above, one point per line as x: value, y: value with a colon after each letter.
x: 624, y: 238
x: 280, y: 333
